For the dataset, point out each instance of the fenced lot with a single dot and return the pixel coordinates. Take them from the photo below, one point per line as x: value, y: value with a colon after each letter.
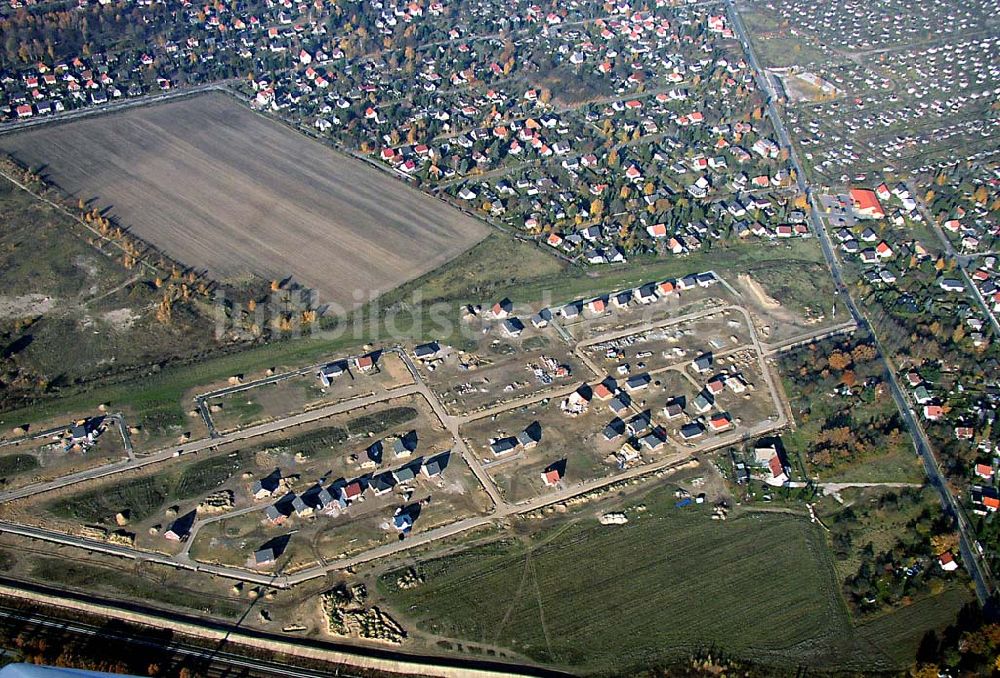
x: 222, y: 189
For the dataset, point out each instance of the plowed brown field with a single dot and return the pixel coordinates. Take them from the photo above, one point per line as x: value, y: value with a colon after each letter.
x: 223, y: 189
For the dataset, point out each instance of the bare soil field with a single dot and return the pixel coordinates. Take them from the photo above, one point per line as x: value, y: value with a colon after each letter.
x: 222, y: 189
x: 670, y: 345
x: 495, y: 368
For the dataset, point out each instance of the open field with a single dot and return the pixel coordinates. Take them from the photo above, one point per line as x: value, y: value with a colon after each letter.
x: 712, y: 582
x: 156, y: 585
x: 222, y: 189
x: 70, y: 313
x: 777, y: 43
x: 898, y: 633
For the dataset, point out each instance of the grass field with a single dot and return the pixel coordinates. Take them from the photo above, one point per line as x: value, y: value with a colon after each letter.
x: 131, y: 585
x: 143, y: 496
x: 222, y: 189
x: 806, y: 288
x: 776, y: 45
x: 898, y: 634
x: 613, y: 600
x: 12, y: 464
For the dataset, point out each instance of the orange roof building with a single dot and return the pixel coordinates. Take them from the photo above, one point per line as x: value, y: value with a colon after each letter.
x: 866, y: 203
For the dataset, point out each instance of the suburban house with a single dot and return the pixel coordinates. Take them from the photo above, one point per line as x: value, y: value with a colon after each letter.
x: 645, y: 294
x: 673, y: 409
x: 85, y: 431
x: 405, y: 474
x: 639, y: 423
x: 405, y: 445
x: 266, y: 486
x: 691, y: 431
x: 180, y: 529
x: 947, y: 562
x: 502, y: 309
x: 375, y: 452
x: 984, y: 471
x: 597, y: 306
x: 702, y: 363
x: 603, y: 391
x: 364, y: 363
x: 638, y: 382
x: 720, y: 422
x: 777, y: 474
x: 552, y: 475
x: 654, y: 440
x: 542, y: 318
x: 767, y: 453
x: 984, y: 499
x: 402, y: 521
x: 570, y: 311
x: 614, y: 429
x: 274, y: 515
x: 263, y: 557
x: 351, y: 491
x: 702, y: 402
x: 300, y: 507
x: 382, y: 483
x: 330, y: 372
x: 435, y: 466
x: 512, y: 327
x: 427, y: 351
x: 619, y: 404
x: 500, y: 446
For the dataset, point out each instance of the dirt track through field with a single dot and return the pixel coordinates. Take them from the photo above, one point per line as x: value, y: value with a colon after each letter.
x: 222, y: 189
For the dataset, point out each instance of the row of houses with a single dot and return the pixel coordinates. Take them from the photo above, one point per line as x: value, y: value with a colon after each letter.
x: 362, y: 364
x: 644, y: 294
x: 341, y: 494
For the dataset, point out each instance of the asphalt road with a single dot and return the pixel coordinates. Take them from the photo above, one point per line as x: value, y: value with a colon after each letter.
x: 977, y: 569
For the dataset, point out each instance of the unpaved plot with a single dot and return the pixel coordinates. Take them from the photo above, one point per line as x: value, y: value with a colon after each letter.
x: 758, y: 293
x: 25, y: 305
x: 222, y: 189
